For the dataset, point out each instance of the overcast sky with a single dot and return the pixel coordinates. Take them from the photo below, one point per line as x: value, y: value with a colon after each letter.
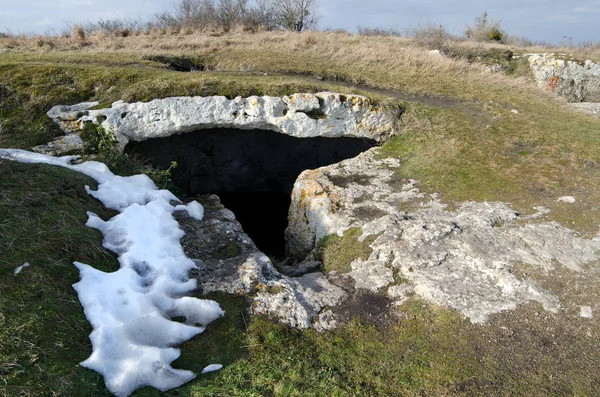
x: 539, y: 20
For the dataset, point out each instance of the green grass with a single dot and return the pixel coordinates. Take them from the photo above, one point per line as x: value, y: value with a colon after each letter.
x: 337, y: 253
x: 430, y: 351
x: 43, y: 332
x: 489, y: 153
x: 463, y: 142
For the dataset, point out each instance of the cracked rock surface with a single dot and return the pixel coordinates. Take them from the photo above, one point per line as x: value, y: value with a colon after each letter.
x: 576, y: 81
x: 461, y: 258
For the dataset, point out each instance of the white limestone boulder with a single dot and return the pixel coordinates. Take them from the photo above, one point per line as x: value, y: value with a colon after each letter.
x: 576, y: 81
x: 324, y: 114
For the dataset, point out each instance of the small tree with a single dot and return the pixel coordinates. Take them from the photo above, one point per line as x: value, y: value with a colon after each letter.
x: 484, y: 29
x: 196, y: 13
x: 296, y: 15
x: 261, y: 15
x: 232, y: 12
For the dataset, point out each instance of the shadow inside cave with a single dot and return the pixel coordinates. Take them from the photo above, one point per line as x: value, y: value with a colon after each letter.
x: 252, y: 171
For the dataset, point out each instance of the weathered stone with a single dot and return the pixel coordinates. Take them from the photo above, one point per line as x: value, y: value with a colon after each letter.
x: 567, y: 199
x: 590, y: 108
x: 62, y: 145
x: 586, y: 312
x: 323, y: 114
x: 69, y: 117
x: 461, y: 259
x: 576, y: 81
x: 228, y: 261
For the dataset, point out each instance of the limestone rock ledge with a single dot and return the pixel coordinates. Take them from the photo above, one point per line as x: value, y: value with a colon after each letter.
x: 462, y: 258
x: 575, y: 81
x: 324, y: 114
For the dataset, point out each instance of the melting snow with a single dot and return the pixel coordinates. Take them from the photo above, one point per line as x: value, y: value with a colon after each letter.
x: 23, y: 266
x: 130, y: 309
x: 212, y: 368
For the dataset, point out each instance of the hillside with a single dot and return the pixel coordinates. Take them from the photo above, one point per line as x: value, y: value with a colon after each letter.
x: 464, y: 134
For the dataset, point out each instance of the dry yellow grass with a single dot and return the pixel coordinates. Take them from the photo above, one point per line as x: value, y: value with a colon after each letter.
x: 385, y: 62
x: 186, y: 38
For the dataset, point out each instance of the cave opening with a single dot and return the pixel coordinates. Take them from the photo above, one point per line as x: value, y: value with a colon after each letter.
x: 252, y: 171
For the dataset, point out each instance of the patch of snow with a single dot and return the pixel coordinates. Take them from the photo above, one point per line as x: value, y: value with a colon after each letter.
x: 194, y: 209
x: 115, y: 192
x: 212, y: 368
x: 567, y: 199
x: 23, y: 266
x: 585, y: 312
x: 130, y: 309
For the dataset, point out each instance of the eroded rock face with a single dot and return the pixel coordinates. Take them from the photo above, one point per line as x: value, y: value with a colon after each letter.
x: 462, y: 258
x: 573, y: 80
x: 323, y: 114
x: 228, y: 261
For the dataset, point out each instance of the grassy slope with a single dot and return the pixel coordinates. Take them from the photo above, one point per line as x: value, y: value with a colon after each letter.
x: 462, y: 140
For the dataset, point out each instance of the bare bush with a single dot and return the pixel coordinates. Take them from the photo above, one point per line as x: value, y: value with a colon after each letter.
x: 260, y: 17
x: 78, y: 32
x: 189, y: 16
x: 204, y: 15
x: 296, y: 15
x: 484, y: 29
x: 432, y: 36
x: 363, y: 31
x: 231, y: 13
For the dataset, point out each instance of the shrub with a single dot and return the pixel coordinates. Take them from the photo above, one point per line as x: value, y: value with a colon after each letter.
x: 97, y: 140
x: 362, y: 31
x: 431, y: 36
x: 78, y: 32
x: 484, y: 29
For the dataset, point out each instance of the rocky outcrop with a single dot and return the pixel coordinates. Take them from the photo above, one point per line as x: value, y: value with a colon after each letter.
x: 462, y: 258
x: 590, y: 108
x: 70, y: 143
x: 323, y: 114
x: 228, y: 261
x: 576, y: 81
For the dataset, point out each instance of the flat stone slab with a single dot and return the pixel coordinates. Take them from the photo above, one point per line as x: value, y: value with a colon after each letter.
x: 302, y: 115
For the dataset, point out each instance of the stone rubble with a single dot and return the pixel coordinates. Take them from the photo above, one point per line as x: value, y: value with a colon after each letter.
x: 590, y: 108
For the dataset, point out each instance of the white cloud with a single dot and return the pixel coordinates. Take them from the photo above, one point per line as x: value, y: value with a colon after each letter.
x: 586, y: 10
x: 43, y: 22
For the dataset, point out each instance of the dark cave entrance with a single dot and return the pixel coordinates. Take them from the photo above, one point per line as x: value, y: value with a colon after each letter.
x: 252, y: 171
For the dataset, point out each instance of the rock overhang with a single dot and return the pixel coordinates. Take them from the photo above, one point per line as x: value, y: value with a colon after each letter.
x: 302, y: 115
